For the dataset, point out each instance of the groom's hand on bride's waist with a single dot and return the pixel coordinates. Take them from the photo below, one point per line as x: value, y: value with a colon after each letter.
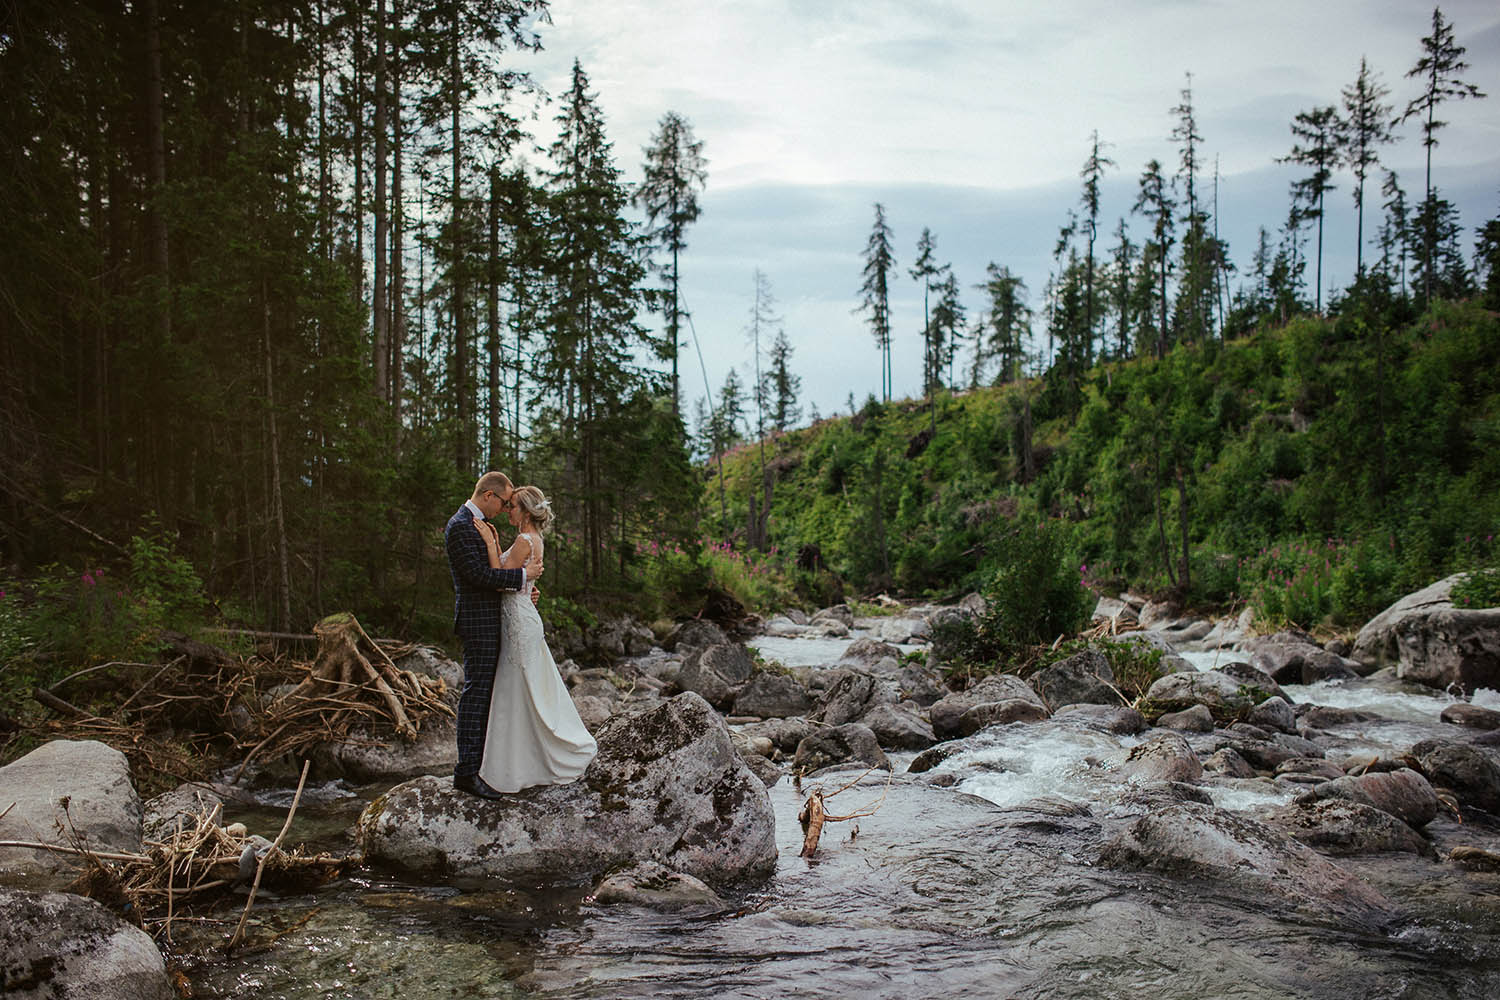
x: 533, y: 569
x: 536, y: 595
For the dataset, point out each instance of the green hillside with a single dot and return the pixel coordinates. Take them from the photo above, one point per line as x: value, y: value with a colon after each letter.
x: 1318, y: 470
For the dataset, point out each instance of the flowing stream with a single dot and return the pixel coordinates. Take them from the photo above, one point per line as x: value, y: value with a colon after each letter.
x: 938, y: 893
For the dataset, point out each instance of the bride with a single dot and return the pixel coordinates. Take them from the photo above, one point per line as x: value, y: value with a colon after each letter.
x: 534, y: 736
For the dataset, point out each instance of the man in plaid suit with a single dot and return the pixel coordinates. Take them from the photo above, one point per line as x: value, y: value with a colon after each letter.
x: 476, y: 619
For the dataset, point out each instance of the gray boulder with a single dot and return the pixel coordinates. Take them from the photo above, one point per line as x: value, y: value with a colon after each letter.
x: 1473, y: 716
x: 946, y: 712
x: 1229, y: 849
x: 58, y: 946
x: 1295, y: 658
x: 1345, y: 827
x: 849, y: 695
x: 667, y: 785
x: 1227, y: 761
x: 433, y: 663
x: 160, y: 816
x: 899, y: 727
x: 1430, y: 641
x: 772, y: 695
x: 101, y: 805
x: 367, y: 757
x: 1084, y: 678
x: 838, y: 745
x: 999, y: 713
x: 716, y: 673
x: 693, y: 634
x: 839, y: 613
x: 868, y: 652
x: 1274, y: 713
x: 1464, y: 770
x: 921, y: 684
x: 657, y: 887
x: 1121, y: 720
x: 1164, y: 757
x: 1193, y: 719
x: 1224, y: 696
x: 1404, y: 794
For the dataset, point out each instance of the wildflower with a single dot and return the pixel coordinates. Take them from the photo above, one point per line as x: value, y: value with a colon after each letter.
x: 88, y: 578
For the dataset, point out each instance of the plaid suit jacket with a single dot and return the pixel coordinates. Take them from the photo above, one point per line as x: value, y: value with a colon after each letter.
x: 476, y: 598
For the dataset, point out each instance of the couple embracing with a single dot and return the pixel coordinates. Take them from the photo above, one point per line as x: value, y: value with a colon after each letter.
x: 517, y: 726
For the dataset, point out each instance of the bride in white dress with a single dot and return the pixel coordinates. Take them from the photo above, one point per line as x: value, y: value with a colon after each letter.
x: 534, y: 736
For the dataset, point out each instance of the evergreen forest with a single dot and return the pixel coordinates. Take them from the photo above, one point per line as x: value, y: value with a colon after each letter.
x: 278, y: 280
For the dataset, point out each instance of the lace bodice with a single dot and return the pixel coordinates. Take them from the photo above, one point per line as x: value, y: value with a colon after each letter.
x: 536, y: 547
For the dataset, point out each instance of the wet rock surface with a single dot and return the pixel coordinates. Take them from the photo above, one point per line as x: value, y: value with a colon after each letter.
x: 667, y: 785
x: 58, y: 946
x: 79, y: 785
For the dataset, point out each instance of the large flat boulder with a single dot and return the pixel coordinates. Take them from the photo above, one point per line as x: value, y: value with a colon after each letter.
x: 717, y: 673
x: 1223, y: 848
x: 667, y: 785
x: 57, y: 945
x: 101, y: 805
x: 1224, y: 695
x: 946, y: 713
x: 1402, y: 793
x: 1430, y: 641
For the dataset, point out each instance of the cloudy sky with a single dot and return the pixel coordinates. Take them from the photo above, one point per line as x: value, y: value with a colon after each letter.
x: 972, y: 117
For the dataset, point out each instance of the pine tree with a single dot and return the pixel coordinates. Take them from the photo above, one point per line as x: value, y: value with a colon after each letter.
x: 1195, y: 275
x: 784, y: 387
x: 1320, y: 129
x: 588, y: 366
x: 1368, y: 126
x: 1157, y: 205
x: 1121, y: 283
x: 675, y: 172
x: 1439, y: 69
x: 925, y: 269
x: 879, y: 261
x: 1009, y: 322
x: 1092, y: 172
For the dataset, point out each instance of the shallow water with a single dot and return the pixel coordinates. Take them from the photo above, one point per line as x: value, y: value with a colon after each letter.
x: 939, y: 893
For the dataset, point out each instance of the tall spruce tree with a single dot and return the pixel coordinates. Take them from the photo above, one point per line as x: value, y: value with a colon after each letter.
x: 879, y: 258
x: 1318, y: 132
x: 588, y: 365
x: 1368, y: 125
x: 675, y: 172
x: 1008, y: 322
x: 1439, y: 69
x: 1156, y: 204
x: 783, y: 388
x: 1092, y: 173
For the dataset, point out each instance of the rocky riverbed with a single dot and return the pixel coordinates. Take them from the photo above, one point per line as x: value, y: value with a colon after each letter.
x: 1275, y: 818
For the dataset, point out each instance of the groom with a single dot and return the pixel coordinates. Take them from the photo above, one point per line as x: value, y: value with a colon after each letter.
x: 476, y: 619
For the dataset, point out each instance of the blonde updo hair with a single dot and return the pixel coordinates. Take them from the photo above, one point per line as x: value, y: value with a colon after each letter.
x: 530, y: 501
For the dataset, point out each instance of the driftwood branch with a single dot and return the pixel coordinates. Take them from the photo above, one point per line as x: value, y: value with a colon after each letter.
x: 814, y: 813
x: 239, y: 931
x: 55, y: 703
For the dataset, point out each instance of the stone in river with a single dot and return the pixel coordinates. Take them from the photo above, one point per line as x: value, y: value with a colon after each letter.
x: 852, y: 741
x: 82, y: 785
x: 999, y: 713
x: 1230, y: 850
x: 1164, y: 757
x: 717, y: 673
x: 1473, y: 716
x: 772, y: 695
x: 1274, y: 713
x: 899, y: 727
x: 1404, y: 794
x: 656, y: 887
x: 1083, y: 678
x: 946, y: 712
x: 1343, y: 826
x: 667, y: 784
x: 1195, y: 719
x: 58, y: 945
x: 1464, y: 770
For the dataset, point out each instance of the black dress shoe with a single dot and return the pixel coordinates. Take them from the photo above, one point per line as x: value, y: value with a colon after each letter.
x: 474, y: 785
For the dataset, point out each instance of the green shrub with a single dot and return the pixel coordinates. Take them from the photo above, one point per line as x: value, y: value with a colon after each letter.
x: 1479, y: 589
x: 1035, y: 596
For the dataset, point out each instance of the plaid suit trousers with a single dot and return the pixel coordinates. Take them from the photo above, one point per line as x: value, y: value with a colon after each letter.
x: 476, y: 619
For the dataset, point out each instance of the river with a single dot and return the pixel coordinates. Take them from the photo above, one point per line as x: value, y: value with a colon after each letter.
x: 984, y: 889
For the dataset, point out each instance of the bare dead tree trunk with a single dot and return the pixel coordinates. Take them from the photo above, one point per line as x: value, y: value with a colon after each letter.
x: 382, y: 317
x: 156, y: 136
x: 278, y: 514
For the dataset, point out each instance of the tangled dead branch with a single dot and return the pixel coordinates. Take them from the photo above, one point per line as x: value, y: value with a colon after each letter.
x: 814, y: 813
x: 198, y: 866
x: 354, y: 682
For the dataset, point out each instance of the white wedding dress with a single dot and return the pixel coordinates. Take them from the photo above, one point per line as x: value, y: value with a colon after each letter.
x: 535, y: 736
